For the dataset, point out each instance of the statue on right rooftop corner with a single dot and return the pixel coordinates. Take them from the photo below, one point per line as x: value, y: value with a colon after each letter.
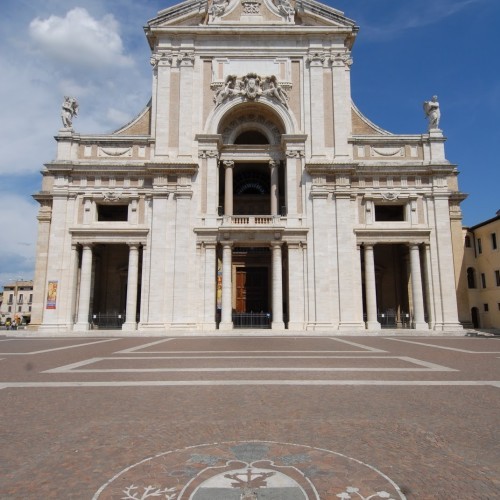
x: 432, y: 112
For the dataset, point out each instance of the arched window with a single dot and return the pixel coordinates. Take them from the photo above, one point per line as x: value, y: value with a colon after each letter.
x: 467, y: 242
x: 251, y: 137
x: 471, y: 277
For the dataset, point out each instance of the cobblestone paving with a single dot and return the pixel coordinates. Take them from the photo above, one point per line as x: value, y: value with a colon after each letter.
x: 279, y: 418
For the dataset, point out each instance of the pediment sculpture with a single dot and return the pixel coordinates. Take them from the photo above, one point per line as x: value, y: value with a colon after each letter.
x: 251, y: 86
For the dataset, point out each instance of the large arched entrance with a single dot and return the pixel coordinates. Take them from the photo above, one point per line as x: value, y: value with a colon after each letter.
x: 252, y: 202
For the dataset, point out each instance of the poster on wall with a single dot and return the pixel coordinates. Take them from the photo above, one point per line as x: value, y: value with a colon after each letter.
x: 51, y: 295
x: 219, y: 284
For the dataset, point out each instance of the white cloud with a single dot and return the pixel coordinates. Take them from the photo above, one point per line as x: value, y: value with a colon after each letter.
x: 19, y: 229
x: 79, y: 39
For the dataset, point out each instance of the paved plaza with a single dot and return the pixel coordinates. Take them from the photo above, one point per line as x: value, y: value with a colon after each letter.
x: 250, y: 417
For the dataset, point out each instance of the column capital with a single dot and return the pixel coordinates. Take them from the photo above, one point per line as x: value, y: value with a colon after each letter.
x: 134, y: 246
x: 274, y: 163
x: 228, y: 163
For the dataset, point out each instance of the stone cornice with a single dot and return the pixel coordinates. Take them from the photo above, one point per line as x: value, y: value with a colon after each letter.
x: 174, y: 168
x: 330, y: 168
x: 374, y: 235
x: 109, y: 234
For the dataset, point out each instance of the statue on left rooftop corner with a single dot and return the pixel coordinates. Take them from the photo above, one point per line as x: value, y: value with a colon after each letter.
x: 69, y: 111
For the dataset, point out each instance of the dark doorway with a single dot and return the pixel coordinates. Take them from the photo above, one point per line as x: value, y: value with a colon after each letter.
x: 475, y: 317
x: 252, y: 289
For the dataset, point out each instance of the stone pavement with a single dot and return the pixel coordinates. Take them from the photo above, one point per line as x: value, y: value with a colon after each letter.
x: 250, y: 417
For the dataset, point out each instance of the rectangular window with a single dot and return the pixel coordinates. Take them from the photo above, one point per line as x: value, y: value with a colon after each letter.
x: 11, y: 299
x: 10, y: 309
x: 479, y: 246
x: 112, y: 213
x: 29, y: 308
x: 486, y: 308
x: 30, y: 299
x: 494, y: 241
x: 20, y: 298
x: 483, y: 280
x: 19, y: 309
x: 389, y: 213
x: 497, y: 277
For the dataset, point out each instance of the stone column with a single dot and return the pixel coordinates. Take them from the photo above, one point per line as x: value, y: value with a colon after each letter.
x: 162, y: 62
x: 370, y: 290
x: 316, y: 78
x: 228, y: 188
x: 182, y: 286
x: 277, y: 287
x: 296, y: 286
x: 42, y: 252
x: 416, y: 289
x: 210, y: 288
x: 82, y: 322
x: 341, y: 103
x: 227, y: 289
x: 273, y: 165
x: 132, y: 281
x: 320, y: 298
x: 73, y: 273
x: 429, y: 287
x: 186, y: 60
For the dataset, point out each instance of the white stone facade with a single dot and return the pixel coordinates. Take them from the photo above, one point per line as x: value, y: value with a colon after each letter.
x: 249, y: 189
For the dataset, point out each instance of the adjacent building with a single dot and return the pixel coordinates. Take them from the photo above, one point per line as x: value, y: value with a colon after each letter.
x: 479, y: 296
x: 250, y: 191
x: 17, y: 302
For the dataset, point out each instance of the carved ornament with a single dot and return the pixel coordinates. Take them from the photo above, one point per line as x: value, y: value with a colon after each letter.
x: 111, y: 196
x: 389, y: 196
x: 251, y: 6
x: 251, y: 86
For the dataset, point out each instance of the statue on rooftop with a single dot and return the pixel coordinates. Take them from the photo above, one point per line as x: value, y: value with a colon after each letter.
x: 69, y: 111
x: 432, y: 112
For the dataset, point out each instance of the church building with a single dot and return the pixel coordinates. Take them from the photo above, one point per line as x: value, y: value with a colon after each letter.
x: 250, y: 192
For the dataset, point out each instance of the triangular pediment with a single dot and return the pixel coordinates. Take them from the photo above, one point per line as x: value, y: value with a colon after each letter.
x: 250, y: 12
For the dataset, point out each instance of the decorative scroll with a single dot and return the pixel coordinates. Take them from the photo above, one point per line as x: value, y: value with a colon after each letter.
x: 252, y: 87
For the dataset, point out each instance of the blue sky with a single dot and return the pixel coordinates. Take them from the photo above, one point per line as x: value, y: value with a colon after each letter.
x: 95, y: 50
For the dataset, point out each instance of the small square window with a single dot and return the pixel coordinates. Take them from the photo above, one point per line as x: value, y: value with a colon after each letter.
x: 486, y: 307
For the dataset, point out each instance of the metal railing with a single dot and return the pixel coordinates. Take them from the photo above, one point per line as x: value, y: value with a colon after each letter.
x: 252, y: 320
x: 106, y: 321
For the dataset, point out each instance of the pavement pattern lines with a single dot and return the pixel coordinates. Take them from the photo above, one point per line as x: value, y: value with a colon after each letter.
x: 68, y: 432
x: 77, y: 367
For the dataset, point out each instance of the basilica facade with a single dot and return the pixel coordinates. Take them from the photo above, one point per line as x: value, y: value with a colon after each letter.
x: 250, y: 192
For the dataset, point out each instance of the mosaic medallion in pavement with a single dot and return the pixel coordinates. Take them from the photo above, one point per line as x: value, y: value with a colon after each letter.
x: 253, y: 470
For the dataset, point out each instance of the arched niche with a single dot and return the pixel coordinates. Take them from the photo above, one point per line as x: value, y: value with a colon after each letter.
x: 235, y: 117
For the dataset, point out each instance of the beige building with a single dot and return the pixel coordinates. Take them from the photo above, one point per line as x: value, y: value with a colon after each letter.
x: 17, y: 301
x: 250, y: 191
x: 479, y: 292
